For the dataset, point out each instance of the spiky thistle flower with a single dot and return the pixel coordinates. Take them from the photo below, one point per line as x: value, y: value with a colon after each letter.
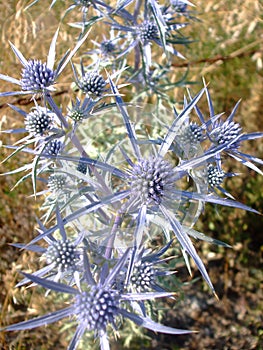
x: 215, y: 176
x: 147, y: 269
x: 63, y: 256
x: 152, y: 190
x: 148, y: 31
x: 53, y: 147
x: 151, y: 180
x: 107, y: 47
x: 223, y: 133
x: 57, y: 182
x: 80, y: 110
x: 190, y: 134
x: 228, y: 134
x: 90, y: 82
x: 38, y: 121
x: 96, y: 306
x: 151, y: 28
x: 38, y: 76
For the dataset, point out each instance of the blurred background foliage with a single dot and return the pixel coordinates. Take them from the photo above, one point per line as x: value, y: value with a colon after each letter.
x: 227, y: 50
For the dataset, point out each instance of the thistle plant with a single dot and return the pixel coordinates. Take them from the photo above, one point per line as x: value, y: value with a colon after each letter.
x: 149, y: 177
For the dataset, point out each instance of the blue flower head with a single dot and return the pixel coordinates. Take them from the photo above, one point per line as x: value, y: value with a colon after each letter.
x: 37, y: 76
x: 96, y: 305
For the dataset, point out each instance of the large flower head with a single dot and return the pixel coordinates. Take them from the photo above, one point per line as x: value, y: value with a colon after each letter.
x: 97, y: 305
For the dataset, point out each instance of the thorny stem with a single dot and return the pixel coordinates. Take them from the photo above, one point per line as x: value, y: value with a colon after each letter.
x: 110, y: 243
x: 56, y: 110
x: 137, y: 55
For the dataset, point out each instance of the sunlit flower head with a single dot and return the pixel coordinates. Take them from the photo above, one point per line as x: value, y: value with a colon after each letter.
x: 151, y: 179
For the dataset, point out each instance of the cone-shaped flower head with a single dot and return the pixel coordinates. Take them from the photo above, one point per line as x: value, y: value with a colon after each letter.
x: 56, y: 182
x: 143, y: 276
x: 148, y: 31
x: 53, y: 147
x: 151, y: 178
x: 96, y: 308
x: 36, y: 76
x: 92, y: 83
x: 215, y: 176
x: 38, y: 121
x: 225, y: 133
x: 190, y: 134
x: 76, y: 114
x: 64, y: 254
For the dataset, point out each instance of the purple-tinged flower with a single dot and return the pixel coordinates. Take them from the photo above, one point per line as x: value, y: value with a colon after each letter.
x: 53, y: 147
x: 38, y: 121
x: 38, y: 76
x: 143, y: 32
x: 152, y: 191
x: 79, y: 111
x: 57, y: 182
x: 227, y: 133
x: 223, y: 133
x: 148, y: 31
x: 96, y: 305
x: 151, y: 180
x: 90, y: 82
x: 63, y: 256
x: 107, y: 47
x: 191, y: 133
x: 147, y: 270
x: 215, y: 176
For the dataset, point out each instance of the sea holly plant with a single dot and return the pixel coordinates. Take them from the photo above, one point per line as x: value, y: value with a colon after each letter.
x: 116, y: 174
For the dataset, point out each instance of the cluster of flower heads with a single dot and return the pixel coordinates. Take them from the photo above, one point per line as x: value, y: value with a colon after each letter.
x: 109, y: 205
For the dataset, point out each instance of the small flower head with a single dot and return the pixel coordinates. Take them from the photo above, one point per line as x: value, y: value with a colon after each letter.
x: 38, y: 121
x: 57, y: 182
x: 92, y: 83
x: 76, y: 114
x: 36, y: 76
x: 96, y: 308
x: 53, y: 147
x: 148, y: 31
x: 151, y: 178
x: 226, y: 132
x: 191, y: 134
x: 79, y: 111
x: 215, y: 176
x: 82, y: 167
x: 63, y: 254
x: 143, y: 276
x: 107, y: 47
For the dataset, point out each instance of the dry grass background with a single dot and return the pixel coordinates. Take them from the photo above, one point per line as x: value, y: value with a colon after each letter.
x: 228, y: 53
